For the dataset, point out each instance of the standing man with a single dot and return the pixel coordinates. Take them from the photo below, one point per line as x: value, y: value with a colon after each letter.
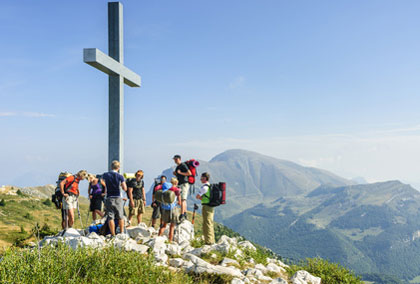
x: 207, y: 211
x: 69, y: 188
x: 137, y: 197
x: 157, y: 210
x: 114, y: 205
x: 182, y: 173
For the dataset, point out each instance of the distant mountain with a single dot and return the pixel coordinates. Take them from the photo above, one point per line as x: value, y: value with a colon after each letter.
x: 369, y: 228
x: 359, y: 180
x: 253, y: 178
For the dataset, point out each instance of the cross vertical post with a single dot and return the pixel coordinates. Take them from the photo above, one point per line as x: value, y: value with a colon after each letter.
x: 113, y: 65
x: 116, y: 86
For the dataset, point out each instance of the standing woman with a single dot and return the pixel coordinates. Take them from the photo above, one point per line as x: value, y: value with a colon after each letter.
x: 96, y: 191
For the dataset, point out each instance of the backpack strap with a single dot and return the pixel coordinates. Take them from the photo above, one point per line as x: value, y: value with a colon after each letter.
x: 69, y: 186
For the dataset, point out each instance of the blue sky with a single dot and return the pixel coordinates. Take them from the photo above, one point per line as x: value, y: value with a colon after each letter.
x: 331, y: 84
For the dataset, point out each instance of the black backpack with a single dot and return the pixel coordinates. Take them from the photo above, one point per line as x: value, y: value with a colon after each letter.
x: 57, y: 197
x: 217, y: 194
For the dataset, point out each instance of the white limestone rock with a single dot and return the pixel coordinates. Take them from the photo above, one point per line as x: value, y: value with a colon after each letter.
x: 158, y: 244
x: 161, y: 258
x: 184, y: 232
x: 173, y: 249
x: 261, y: 267
x: 247, y: 245
x: 237, y: 281
x: 133, y: 246
x: 228, y: 261
x: 253, y: 272
x: 200, y: 251
x: 271, y: 267
x: 139, y: 230
x: 71, y: 232
x: 278, y: 281
x: 176, y: 262
x: 201, y: 266
x: 304, y: 277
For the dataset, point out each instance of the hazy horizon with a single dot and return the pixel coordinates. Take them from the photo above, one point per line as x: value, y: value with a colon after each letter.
x: 330, y: 84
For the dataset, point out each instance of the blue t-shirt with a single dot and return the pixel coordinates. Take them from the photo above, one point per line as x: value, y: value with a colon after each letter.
x: 113, y: 181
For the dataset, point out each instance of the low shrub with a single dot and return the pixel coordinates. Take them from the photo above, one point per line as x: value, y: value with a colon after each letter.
x: 47, y: 202
x: 2, y: 203
x: 330, y: 273
x: 62, y: 264
x: 19, y: 192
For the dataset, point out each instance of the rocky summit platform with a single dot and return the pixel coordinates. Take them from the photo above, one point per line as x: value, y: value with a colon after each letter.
x: 182, y: 255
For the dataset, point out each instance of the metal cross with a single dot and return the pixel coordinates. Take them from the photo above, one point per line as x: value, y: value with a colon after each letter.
x: 113, y: 65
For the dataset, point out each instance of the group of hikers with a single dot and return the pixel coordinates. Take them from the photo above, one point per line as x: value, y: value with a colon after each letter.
x: 110, y: 185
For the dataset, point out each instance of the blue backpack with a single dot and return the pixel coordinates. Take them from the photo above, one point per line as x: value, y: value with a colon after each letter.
x: 167, y: 206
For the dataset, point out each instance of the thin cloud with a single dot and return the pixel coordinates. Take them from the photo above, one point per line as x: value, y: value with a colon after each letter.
x: 237, y: 82
x: 26, y: 114
x: 5, y: 114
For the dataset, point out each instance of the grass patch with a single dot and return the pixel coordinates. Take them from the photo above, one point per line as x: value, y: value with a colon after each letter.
x: 330, y: 273
x: 65, y: 265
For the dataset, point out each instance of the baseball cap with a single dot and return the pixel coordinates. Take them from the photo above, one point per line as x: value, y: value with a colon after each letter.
x: 177, y: 157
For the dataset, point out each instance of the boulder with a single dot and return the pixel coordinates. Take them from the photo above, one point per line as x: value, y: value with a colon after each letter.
x: 253, y: 272
x: 200, y: 251
x: 202, y: 266
x: 139, y: 230
x: 173, y: 249
x: 237, y: 281
x: 161, y: 258
x: 261, y: 267
x: 278, y: 281
x: 247, y: 245
x: 304, y: 277
x: 275, y: 268
x: 176, y: 262
x: 71, y: 232
x: 184, y: 232
x: 228, y: 261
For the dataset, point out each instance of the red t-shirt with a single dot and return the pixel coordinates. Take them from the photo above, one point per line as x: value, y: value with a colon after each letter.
x: 176, y: 190
x: 157, y: 188
x: 74, y: 188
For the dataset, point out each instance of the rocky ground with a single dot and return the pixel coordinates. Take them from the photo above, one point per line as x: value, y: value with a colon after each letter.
x: 229, y: 257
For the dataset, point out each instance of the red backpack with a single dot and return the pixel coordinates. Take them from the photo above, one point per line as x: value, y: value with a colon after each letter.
x: 192, y: 165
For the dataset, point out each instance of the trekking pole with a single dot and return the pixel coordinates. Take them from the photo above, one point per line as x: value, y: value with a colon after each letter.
x: 80, y: 216
x: 193, y: 217
x: 125, y: 215
x: 66, y: 221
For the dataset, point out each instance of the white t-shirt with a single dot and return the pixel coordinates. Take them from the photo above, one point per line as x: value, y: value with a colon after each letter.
x: 204, y: 188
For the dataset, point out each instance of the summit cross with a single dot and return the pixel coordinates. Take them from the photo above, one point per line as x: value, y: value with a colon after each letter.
x: 113, y: 65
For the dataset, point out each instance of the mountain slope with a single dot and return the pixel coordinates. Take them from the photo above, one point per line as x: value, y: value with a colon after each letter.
x: 370, y: 228
x: 253, y: 178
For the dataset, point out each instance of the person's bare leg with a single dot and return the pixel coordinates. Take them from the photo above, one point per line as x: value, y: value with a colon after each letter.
x: 71, y: 217
x: 121, y: 224
x: 171, y: 232
x: 94, y: 215
x: 153, y: 222
x: 162, y: 229
x: 111, y: 225
x: 130, y: 217
x: 183, y: 206
x: 139, y: 217
x: 100, y: 213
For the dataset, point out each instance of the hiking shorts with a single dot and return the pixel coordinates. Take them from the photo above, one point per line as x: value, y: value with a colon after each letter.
x: 95, y: 204
x: 170, y: 216
x: 184, y: 190
x: 138, y: 207
x: 114, y: 208
x: 70, y: 202
x: 156, y: 211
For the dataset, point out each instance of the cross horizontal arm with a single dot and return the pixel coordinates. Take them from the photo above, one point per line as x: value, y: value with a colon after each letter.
x: 103, y: 62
